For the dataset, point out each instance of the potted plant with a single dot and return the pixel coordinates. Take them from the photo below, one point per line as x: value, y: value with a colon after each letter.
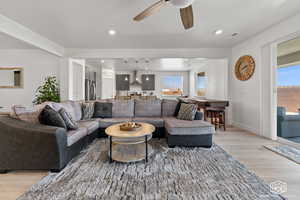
x: 49, y: 91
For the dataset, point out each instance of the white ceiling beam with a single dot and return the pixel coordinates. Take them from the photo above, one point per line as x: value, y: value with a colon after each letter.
x: 20, y: 32
x: 150, y: 53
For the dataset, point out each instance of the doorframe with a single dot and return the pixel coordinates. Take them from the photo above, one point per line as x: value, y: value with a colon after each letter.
x: 273, y: 82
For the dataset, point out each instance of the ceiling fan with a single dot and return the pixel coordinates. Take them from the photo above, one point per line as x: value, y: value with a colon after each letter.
x: 186, y: 11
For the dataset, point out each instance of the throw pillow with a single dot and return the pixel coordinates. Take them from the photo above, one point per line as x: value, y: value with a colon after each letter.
x: 50, y: 117
x: 177, y: 108
x: 87, y: 110
x: 187, y: 112
x: 69, y: 121
x: 102, y: 110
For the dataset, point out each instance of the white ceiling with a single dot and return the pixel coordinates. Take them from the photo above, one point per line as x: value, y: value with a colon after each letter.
x: 84, y: 24
x: 7, y: 42
x: 158, y: 64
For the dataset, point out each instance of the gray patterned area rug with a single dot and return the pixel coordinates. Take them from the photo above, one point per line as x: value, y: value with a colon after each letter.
x: 179, y: 173
x: 286, y: 151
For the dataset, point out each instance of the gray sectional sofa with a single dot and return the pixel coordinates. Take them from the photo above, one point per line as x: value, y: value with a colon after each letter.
x: 26, y: 145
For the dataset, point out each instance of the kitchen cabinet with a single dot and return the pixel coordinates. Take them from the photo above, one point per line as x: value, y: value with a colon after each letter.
x: 122, y: 82
x: 148, y: 82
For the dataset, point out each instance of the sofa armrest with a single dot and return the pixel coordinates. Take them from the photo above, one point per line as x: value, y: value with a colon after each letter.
x: 291, y: 118
x: 31, y: 146
x: 199, y: 115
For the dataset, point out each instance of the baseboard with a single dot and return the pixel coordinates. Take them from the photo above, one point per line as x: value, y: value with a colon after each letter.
x: 245, y: 127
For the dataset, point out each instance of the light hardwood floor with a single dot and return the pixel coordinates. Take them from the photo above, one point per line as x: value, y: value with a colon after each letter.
x: 244, y: 146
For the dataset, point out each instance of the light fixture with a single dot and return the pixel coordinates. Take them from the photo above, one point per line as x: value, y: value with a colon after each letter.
x: 219, y: 32
x: 102, y: 61
x: 147, y: 78
x: 112, y: 32
x: 126, y: 78
x: 181, y: 3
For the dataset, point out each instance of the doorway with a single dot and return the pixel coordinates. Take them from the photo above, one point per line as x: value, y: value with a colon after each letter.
x: 288, y: 90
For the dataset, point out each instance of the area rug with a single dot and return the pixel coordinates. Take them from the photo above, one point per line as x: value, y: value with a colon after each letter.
x: 286, y: 151
x: 178, y: 173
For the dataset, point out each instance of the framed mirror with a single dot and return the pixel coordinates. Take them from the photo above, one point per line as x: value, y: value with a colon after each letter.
x: 11, y: 77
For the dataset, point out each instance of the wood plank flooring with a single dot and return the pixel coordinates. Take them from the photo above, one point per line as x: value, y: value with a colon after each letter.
x: 244, y: 146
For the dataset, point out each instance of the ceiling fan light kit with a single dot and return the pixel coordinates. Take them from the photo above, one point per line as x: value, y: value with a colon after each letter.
x: 185, y: 6
x: 181, y: 3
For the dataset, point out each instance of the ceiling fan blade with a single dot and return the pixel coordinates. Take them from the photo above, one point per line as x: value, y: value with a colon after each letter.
x: 187, y: 17
x: 151, y: 10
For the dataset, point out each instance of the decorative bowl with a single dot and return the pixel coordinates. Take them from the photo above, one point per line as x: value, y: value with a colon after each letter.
x: 130, y: 126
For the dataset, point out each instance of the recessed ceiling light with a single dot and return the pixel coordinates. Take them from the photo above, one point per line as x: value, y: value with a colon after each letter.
x: 102, y: 61
x: 112, y: 32
x: 219, y: 32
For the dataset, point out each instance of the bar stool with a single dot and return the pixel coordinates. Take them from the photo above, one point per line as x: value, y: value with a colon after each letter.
x: 217, y: 116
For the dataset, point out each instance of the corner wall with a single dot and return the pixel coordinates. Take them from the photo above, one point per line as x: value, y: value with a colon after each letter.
x: 37, y: 65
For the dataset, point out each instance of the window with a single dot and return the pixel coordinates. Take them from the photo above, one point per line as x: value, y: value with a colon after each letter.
x: 201, y: 84
x: 172, y: 85
x: 288, y: 88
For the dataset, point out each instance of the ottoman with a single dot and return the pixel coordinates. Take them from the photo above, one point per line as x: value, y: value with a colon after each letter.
x: 185, y: 133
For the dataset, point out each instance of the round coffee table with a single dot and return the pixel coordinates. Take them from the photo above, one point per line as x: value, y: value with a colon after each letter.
x: 129, y: 146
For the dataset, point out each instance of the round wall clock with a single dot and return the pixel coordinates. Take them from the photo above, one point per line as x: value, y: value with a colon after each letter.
x: 244, y: 68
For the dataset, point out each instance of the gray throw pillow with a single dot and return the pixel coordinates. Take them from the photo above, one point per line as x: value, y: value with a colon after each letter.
x: 187, y: 112
x: 87, y: 110
x: 102, y: 110
x: 69, y: 121
x: 50, y: 117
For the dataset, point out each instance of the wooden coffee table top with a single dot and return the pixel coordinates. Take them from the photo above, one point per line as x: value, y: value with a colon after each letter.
x: 114, y: 131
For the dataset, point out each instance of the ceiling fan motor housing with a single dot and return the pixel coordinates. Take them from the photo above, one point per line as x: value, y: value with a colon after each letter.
x: 181, y: 3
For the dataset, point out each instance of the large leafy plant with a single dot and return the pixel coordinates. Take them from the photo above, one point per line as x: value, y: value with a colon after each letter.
x: 49, y: 91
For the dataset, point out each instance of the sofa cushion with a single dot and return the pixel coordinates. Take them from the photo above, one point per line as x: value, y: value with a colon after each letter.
x: 169, y: 107
x: 102, y: 110
x: 187, y: 112
x: 148, y: 108
x: 104, y: 123
x: 87, y: 110
x: 176, y: 126
x: 50, y: 117
x: 77, y: 110
x: 68, y: 106
x: 155, y: 121
x: 75, y: 135
x: 123, y: 108
x: 70, y: 122
x: 91, y: 125
x: 30, y: 115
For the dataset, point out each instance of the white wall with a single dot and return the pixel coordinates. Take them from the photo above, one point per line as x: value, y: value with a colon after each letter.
x: 158, y: 80
x: 37, y: 66
x: 216, y: 72
x: 251, y: 100
x: 77, y: 76
x: 108, y: 80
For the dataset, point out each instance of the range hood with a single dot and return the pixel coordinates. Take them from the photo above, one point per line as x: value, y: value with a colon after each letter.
x: 135, y: 79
